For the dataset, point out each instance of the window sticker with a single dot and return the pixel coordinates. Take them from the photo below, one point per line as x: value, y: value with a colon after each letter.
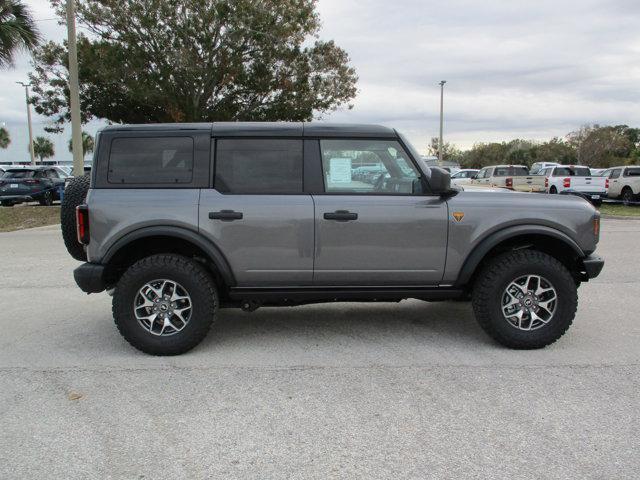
x: 340, y: 170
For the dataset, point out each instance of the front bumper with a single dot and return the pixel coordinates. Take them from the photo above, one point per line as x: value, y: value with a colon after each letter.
x: 90, y: 277
x: 592, y: 266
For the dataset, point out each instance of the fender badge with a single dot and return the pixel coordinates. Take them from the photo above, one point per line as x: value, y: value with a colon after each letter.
x: 458, y: 216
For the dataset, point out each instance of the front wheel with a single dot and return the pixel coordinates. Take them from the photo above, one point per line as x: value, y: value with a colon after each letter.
x: 165, y: 304
x: 525, y: 299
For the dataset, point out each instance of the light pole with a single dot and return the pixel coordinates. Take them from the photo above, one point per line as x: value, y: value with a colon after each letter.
x: 440, y: 144
x: 74, y: 92
x: 26, y: 95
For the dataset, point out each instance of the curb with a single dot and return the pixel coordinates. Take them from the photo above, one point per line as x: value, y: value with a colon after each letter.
x: 620, y: 217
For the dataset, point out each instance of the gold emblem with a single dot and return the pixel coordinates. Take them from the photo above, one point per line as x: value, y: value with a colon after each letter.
x: 458, y: 216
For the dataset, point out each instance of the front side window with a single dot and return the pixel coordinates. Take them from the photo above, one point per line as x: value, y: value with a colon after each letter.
x: 151, y: 160
x: 248, y: 166
x: 367, y: 167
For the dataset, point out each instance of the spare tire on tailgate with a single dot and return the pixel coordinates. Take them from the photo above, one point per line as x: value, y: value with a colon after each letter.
x: 75, y: 194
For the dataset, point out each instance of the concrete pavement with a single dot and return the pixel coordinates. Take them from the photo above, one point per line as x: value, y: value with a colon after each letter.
x: 409, y: 390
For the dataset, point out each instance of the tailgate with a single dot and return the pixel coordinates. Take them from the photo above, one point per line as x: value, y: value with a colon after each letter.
x: 588, y: 184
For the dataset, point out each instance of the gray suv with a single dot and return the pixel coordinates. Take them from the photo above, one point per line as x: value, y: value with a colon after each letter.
x: 178, y: 221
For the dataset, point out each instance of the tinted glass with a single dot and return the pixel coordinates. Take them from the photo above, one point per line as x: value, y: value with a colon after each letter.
x: 615, y: 173
x: 19, y: 174
x: 632, y: 172
x: 259, y: 166
x: 367, y: 166
x: 151, y: 160
x: 573, y: 172
x: 510, y: 171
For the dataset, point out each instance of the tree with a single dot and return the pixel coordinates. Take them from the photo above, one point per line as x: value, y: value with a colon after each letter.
x: 602, y: 146
x: 5, y: 139
x: 189, y: 61
x: 17, y: 31
x: 449, y: 150
x: 87, y: 144
x: 556, y: 150
x: 43, y: 148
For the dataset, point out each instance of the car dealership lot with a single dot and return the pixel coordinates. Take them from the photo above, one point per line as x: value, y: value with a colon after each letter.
x: 343, y: 390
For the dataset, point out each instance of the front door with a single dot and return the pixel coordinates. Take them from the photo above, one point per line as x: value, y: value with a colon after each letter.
x: 257, y: 212
x: 371, y: 228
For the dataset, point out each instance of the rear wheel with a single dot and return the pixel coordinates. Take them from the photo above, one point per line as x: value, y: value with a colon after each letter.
x: 525, y: 299
x: 46, y: 199
x: 627, y: 196
x: 165, y: 304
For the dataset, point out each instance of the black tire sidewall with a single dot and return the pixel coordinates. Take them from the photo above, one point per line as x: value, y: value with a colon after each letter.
x: 203, y: 304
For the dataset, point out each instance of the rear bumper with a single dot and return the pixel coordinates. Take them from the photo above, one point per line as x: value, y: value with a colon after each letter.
x: 592, y: 266
x: 90, y: 277
x: 16, y: 198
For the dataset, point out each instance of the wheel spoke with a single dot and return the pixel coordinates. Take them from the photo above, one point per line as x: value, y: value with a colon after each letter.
x: 529, y: 302
x: 164, y: 305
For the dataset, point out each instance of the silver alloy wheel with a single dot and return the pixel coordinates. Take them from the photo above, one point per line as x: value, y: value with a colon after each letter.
x: 529, y: 302
x: 162, y: 307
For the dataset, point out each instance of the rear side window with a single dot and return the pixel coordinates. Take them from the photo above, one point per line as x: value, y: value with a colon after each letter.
x: 151, y: 160
x: 269, y: 166
x: 632, y: 172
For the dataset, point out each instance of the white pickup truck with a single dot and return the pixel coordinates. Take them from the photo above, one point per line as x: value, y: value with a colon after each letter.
x: 623, y: 182
x: 575, y: 178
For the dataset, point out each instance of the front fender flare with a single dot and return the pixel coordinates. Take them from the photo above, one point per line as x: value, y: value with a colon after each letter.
x: 488, y: 243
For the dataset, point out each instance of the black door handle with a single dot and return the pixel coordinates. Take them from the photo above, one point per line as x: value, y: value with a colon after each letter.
x: 341, y: 216
x: 225, y: 215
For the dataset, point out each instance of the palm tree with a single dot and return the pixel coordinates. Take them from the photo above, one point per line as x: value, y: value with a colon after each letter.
x: 43, y: 148
x: 18, y: 31
x: 5, y: 140
x: 87, y: 144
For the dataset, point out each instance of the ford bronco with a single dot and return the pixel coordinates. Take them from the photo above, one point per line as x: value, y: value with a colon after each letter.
x: 178, y: 221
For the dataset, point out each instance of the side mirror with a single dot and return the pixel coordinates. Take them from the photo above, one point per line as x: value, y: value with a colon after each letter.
x: 440, y: 181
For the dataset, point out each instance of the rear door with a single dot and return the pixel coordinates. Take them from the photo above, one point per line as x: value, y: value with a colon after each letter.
x: 615, y: 183
x: 257, y: 212
x: 375, y: 231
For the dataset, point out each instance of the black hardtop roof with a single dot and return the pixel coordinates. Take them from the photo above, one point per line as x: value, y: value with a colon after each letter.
x: 267, y: 129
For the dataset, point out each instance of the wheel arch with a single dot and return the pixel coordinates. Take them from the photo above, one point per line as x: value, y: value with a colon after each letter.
x: 167, y: 239
x: 536, y: 237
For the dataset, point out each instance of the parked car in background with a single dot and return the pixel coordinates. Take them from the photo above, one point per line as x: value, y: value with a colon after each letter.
x: 4, y: 168
x: 536, y: 167
x: 464, y: 176
x: 623, y: 183
x: 575, y: 178
x: 63, y: 171
x: 26, y: 184
x: 499, y: 175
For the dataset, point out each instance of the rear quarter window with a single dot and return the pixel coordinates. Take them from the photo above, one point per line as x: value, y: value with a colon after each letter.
x: 151, y: 160
x: 632, y: 172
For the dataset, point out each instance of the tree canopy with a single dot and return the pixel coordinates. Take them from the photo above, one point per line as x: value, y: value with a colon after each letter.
x: 195, y: 60
x: 42, y: 148
x: 87, y: 144
x: 5, y: 138
x: 17, y: 30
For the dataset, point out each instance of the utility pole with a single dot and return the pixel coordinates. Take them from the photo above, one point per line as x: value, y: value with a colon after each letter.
x: 26, y: 95
x: 74, y: 92
x: 441, y: 144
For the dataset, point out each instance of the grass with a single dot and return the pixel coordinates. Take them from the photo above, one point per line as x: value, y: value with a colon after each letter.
x: 620, y: 210
x: 27, y: 216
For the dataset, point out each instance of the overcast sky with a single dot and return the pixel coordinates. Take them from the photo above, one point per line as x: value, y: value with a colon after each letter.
x: 514, y: 69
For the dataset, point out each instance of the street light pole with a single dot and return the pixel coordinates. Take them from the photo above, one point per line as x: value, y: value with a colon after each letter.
x: 441, y: 144
x: 26, y: 95
x: 74, y: 92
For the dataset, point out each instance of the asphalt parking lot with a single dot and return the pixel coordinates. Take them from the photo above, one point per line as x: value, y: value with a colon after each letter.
x: 409, y: 390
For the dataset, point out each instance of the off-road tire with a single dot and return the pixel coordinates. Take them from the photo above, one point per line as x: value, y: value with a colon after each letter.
x: 75, y: 194
x: 46, y: 199
x: 189, y: 274
x: 492, y: 282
